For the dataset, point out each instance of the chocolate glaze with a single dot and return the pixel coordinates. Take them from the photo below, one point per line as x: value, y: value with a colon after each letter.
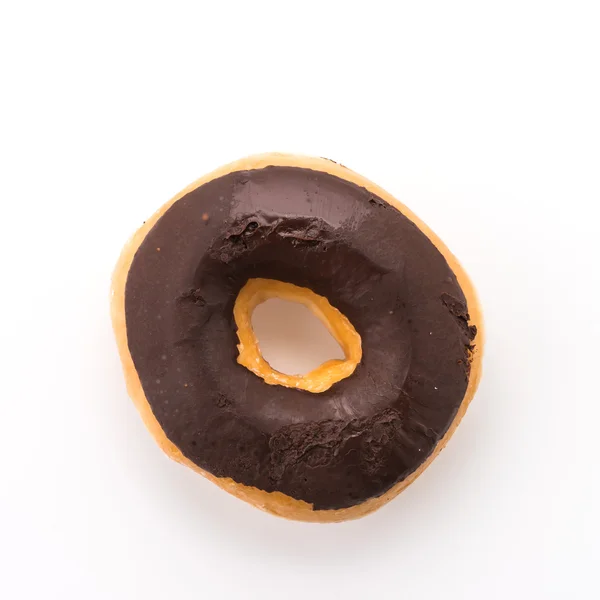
x: 369, y: 431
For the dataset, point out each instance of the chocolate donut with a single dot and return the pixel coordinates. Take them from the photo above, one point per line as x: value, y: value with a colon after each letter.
x: 344, y: 439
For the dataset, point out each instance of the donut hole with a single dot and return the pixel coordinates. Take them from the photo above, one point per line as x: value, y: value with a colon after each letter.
x: 291, y: 338
x: 289, y: 335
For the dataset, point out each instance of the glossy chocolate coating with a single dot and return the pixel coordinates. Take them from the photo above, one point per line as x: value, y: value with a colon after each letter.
x: 368, y: 432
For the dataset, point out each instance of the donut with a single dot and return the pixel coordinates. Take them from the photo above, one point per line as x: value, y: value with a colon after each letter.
x: 333, y: 444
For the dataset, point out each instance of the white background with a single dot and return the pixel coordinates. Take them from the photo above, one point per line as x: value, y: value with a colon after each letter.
x: 483, y: 117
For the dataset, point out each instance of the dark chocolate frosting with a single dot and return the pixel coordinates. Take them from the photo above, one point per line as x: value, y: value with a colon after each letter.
x: 335, y: 449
